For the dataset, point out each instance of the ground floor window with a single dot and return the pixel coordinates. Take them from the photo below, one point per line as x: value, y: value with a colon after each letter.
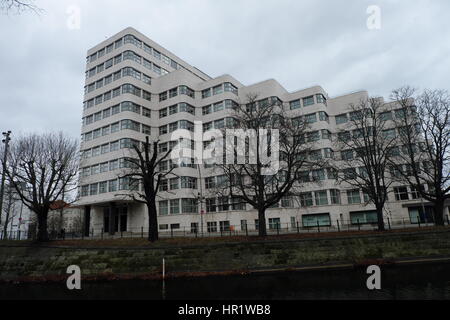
x: 274, y: 223
x: 163, y: 227
x: 364, y: 217
x: 417, y: 214
x: 293, y: 222
x: 194, y: 227
x: 212, y: 226
x: 224, y: 226
x: 243, y: 225
x: 256, y: 224
x: 175, y: 226
x: 314, y: 220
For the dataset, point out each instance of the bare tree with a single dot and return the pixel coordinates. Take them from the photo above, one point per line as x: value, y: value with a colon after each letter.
x: 145, y: 169
x: 9, y: 208
x: 40, y: 169
x: 265, y: 151
x: 19, y: 6
x: 366, y: 145
x: 423, y: 122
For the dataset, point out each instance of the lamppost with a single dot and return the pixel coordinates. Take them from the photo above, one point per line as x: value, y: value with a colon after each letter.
x: 202, y: 212
x: 5, y: 157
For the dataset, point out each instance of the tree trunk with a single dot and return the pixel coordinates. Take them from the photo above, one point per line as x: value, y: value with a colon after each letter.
x: 380, y: 219
x: 262, y: 222
x: 152, y: 222
x: 42, y: 235
x: 439, y: 213
x: 8, y: 212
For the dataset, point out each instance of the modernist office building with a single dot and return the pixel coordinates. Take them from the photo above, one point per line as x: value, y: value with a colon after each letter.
x: 135, y: 88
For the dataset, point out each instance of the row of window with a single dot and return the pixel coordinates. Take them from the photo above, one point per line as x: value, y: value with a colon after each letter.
x: 122, y: 107
x: 126, y: 55
x: 125, y: 72
x: 219, y: 124
x: 391, y: 133
x: 178, y: 206
x: 136, y: 42
x: 385, y: 116
x: 125, y: 143
x: 180, y: 107
x: 126, y: 88
x: 311, y: 118
x: 116, y: 127
x: 181, y: 124
x: 114, y: 185
x: 106, y: 167
x: 172, y: 93
x: 219, y: 89
x: 219, y: 106
x: 178, y: 183
x: 181, y: 143
x: 307, y: 101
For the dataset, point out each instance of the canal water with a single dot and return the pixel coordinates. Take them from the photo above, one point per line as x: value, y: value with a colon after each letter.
x: 427, y: 281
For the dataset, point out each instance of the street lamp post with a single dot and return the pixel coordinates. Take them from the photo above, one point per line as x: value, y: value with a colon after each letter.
x: 200, y: 200
x: 2, y: 187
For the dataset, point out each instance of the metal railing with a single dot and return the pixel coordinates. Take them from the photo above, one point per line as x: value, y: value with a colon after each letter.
x: 245, y: 230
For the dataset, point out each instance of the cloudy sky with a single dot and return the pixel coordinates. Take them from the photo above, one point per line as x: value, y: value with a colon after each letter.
x: 298, y: 43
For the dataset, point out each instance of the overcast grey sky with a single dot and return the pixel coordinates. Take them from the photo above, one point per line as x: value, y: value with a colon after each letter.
x: 298, y: 43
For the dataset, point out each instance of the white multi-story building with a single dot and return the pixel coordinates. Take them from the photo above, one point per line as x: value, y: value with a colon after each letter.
x: 135, y: 88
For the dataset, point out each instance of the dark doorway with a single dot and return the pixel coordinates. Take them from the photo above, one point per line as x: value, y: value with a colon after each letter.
x: 115, y: 219
x: 87, y: 220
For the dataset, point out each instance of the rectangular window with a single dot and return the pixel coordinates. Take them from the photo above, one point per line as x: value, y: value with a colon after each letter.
x: 308, y: 101
x: 274, y: 223
x: 321, y: 198
x: 173, y: 92
x: 229, y: 87
x: 206, y: 93
x: 321, y: 99
x: 311, y: 118
x: 340, y: 119
x: 224, y: 226
x: 211, y: 205
x: 353, y: 196
x: 189, y: 205
x: 364, y: 217
x: 306, y: 199
x: 146, y: 130
x: 93, y: 189
x: 115, y: 127
x: 218, y: 90
x: 295, y: 104
x: 243, y: 225
x: 175, y: 206
x: 212, y: 227
x: 174, y: 184
x: 103, y: 187
x: 164, y: 208
x: 314, y: 220
x: 163, y: 96
x: 401, y: 193
x: 113, y: 185
x: 335, y: 196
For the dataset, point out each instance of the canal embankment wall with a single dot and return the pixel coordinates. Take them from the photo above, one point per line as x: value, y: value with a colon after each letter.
x: 49, y: 262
